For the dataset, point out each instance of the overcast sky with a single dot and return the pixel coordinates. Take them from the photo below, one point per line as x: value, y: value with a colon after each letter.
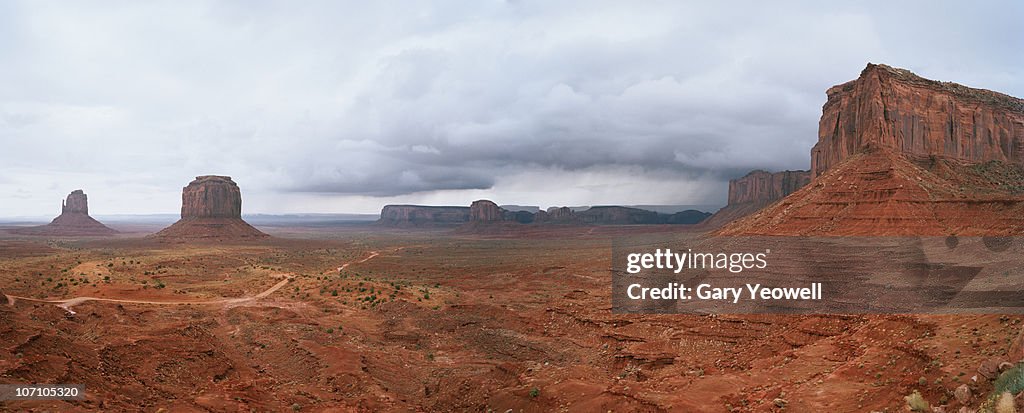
x: 346, y: 106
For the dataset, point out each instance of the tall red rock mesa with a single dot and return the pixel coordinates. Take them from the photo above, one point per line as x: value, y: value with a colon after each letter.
x: 485, y: 211
x: 894, y: 108
x: 211, y: 207
x: 74, y: 220
x: 898, y: 154
x: 757, y: 190
x: 211, y: 196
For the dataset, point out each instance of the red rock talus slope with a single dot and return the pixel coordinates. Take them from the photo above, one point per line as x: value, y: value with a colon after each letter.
x: 897, y: 109
x: 757, y: 190
x: 879, y: 192
x: 211, y: 207
x: 419, y: 215
x: 74, y: 220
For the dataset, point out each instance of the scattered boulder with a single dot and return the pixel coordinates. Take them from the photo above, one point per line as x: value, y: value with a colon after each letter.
x: 1016, y: 351
x: 962, y: 394
x: 990, y: 368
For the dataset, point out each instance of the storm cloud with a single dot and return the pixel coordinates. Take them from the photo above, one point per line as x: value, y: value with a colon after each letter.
x: 345, y: 106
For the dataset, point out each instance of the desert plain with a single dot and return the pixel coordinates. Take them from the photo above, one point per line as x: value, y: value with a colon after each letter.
x: 363, y: 318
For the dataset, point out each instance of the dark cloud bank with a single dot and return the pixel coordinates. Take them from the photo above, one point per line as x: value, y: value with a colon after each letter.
x: 340, y: 106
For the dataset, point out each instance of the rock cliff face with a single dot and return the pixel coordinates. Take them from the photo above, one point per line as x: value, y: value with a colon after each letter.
x: 757, y: 190
x: 74, y: 220
x: 418, y: 215
x: 76, y: 203
x: 211, y: 196
x: 897, y: 109
x: 211, y: 208
x: 557, y: 215
x: 763, y: 186
x: 898, y: 154
x: 485, y: 211
x: 879, y: 192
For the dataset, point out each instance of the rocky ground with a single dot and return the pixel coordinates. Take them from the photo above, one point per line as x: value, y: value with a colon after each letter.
x: 428, y: 321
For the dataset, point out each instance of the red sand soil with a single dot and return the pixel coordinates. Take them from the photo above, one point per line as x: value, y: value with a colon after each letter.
x: 439, y: 322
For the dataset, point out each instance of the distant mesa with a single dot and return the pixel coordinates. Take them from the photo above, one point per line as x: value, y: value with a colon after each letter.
x: 898, y: 154
x: 420, y: 215
x: 211, y: 207
x: 687, y: 217
x: 618, y: 215
x: 485, y: 211
x: 486, y: 214
x: 757, y: 190
x: 74, y: 220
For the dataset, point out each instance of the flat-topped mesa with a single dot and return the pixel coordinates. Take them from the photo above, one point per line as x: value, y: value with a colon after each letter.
x: 211, y: 196
x: 897, y: 109
x: 618, y: 215
x: 76, y: 203
x: 764, y: 186
x: 211, y: 208
x: 557, y: 215
x: 485, y: 211
x: 757, y: 190
x: 419, y: 215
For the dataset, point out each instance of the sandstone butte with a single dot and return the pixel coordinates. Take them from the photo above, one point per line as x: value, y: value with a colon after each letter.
x: 211, y: 207
x: 556, y: 215
x: 898, y: 154
x: 485, y: 211
x: 74, y: 220
x: 754, y: 191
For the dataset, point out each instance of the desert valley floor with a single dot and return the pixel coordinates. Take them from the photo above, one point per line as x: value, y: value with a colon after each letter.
x: 367, y: 319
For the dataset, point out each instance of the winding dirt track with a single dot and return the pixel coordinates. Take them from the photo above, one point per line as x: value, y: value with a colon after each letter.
x: 67, y: 303
x: 372, y: 254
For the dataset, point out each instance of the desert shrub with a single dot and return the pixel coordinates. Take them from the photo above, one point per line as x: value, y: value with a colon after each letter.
x: 1011, y: 381
x: 534, y: 392
x: 1006, y: 404
x: 916, y: 402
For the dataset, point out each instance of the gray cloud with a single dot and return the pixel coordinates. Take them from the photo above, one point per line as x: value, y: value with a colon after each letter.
x: 345, y: 106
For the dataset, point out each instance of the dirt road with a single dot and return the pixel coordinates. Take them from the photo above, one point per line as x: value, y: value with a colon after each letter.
x: 68, y: 303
